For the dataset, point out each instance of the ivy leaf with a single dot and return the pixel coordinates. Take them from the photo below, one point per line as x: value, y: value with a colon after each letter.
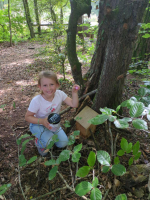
x: 140, y: 124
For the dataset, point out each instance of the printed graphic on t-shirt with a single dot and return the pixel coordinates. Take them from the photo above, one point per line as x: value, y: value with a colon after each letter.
x: 51, y: 108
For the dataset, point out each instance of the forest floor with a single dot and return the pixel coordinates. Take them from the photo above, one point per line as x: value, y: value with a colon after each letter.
x: 19, y: 68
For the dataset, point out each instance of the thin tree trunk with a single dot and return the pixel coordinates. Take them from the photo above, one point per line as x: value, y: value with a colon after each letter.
x: 9, y: 23
x: 28, y: 18
x: 37, y: 16
x: 77, y: 10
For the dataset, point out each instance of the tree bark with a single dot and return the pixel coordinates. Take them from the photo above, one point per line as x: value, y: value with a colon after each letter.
x: 37, y: 16
x: 28, y: 18
x: 78, y: 8
x: 118, y: 28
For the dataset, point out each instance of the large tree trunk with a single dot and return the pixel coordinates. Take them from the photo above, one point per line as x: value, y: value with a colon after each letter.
x: 78, y: 8
x: 28, y: 18
x: 118, y: 27
x: 37, y: 16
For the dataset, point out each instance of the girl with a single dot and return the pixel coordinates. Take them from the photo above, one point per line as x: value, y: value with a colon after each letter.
x: 49, y: 101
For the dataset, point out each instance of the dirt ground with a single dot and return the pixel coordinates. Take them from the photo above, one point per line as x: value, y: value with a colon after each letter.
x: 19, y: 68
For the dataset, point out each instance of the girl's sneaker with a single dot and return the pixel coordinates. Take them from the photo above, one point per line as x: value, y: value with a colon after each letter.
x: 40, y: 150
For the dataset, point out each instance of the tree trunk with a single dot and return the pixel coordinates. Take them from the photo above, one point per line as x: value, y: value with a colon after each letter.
x: 118, y: 28
x: 28, y: 18
x: 37, y: 16
x: 9, y: 23
x: 78, y: 8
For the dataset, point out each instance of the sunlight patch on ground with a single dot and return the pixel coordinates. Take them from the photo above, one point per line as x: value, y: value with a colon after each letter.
x: 25, y: 83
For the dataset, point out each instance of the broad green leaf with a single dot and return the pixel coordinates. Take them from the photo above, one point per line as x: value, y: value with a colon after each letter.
x: 124, y: 144
x: 119, y: 123
x: 95, y: 182
x: 128, y: 103
x: 129, y: 148
x: 76, y: 157
x: 103, y: 158
x: 91, y: 159
x: 120, y: 152
x: 136, y: 147
x: 52, y: 173
x: 76, y: 133
x: 50, y: 162
x: 142, y: 91
x: 83, y: 188
x: 107, y: 111
x: 146, y: 35
x: 71, y: 140
x: 24, y: 144
x: 121, y: 197
x: 118, y: 108
x: 83, y: 171
x: 99, y: 119
x: 133, y: 99
x: 148, y: 117
x: 32, y: 159
x: 96, y: 194
x: 137, y: 156
x: 64, y: 155
x: 127, y: 119
x: 118, y: 169
x: 140, y: 124
x: 130, y: 162
x: 137, y: 109
x: 105, y: 169
x: 111, y: 118
x: 53, y: 141
x: 4, y: 188
x: 77, y: 148
x: 22, y: 160
x: 116, y: 160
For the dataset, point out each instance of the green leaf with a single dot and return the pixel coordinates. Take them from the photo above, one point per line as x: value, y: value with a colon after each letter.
x: 140, y: 124
x: 83, y: 171
x: 83, y: 188
x: 76, y: 133
x: 99, y: 119
x: 111, y: 118
x: 71, y: 140
x: 31, y: 159
x: 136, y: 147
x: 118, y: 108
x: 105, y: 169
x: 107, y: 111
x: 53, y: 141
x: 120, y: 152
x: 24, y: 144
x: 129, y: 148
x: 130, y: 162
x: 137, y: 156
x: 77, y: 148
x: 96, y: 194
x: 22, y: 160
x: 120, y: 123
x: 116, y: 160
x: 4, y: 188
x: 76, y: 157
x: 137, y: 109
x: 23, y: 136
x: 64, y: 155
x: 146, y: 35
x: 124, y: 144
x: 142, y: 91
x: 121, y: 197
x: 50, y: 162
x: 103, y: 158
x: 118, y: 169
x: 91, y: 159
x: 95, y: 182
x: 52, y: 173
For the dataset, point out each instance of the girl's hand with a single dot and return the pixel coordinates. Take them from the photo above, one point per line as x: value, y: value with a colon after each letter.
x: 45, y: 123
x: 75, y: 88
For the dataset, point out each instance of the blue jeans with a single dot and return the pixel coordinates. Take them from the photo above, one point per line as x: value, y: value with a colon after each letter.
x: 45, y: 136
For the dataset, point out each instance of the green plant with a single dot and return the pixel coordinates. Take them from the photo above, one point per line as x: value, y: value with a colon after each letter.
x: 4, y: 188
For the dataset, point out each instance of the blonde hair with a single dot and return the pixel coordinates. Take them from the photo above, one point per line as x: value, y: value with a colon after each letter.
x: 47, y: 74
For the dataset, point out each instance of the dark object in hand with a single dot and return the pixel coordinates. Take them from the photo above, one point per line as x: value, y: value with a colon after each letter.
x: 54, y: 118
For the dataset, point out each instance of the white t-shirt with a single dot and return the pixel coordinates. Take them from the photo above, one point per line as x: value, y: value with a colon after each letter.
x: 42, y: 108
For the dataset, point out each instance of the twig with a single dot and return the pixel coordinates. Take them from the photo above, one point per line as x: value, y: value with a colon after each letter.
x: 111, y: 138
x: 115, y: 144
x: 71, y: 174
x: 94, y: 139
x: 103, y: 197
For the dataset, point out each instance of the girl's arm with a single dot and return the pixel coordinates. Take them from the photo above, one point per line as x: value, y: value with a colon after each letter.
x: 75, y: 100
x: 29, y: 117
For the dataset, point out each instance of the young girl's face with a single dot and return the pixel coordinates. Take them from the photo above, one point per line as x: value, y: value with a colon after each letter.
x: 48, y: 87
